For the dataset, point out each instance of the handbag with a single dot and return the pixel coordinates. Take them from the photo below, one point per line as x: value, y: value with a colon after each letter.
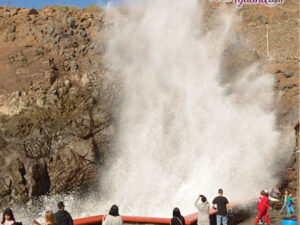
x: 179, y: 220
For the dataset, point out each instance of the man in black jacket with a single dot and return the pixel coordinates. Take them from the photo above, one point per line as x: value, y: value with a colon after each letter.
x: 62, y: 216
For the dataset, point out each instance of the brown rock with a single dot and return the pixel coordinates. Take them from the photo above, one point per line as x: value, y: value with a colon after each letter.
x: 51, y: 76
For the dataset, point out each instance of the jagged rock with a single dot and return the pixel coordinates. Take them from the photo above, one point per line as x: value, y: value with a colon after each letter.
x: 52, y: 150
x: 58, y: 31
x: 67, y: 83
x: 12, y: 28
x: 288, y: 74
x: 67, y: 167
x: 24, y: 178
x: 2, y: 142
x: 15, y: 11
x: 50, y: 28
x: 71, y: 22
x: 100, y: 115
x: 103, y: 140
x: 51, y: 76
x: 263, y: 20
x: 83, y: 34
x: 73, y: 66
x: 38, y: 178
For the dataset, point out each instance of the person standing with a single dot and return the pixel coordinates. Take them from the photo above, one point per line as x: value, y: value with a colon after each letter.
x: 49, y: 219
x: 222, y: 206
x: 177, y: 218
x: 203, y: 210
x: 62, y: 216
x: 290, y: 205
x: 286, y: 193
x: 276, y: 195
x: 263, y: 207
x: 276, y: 192
x: 113, y: 217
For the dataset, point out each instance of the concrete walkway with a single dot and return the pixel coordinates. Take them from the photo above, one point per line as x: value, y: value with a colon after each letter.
x: 275, y: 218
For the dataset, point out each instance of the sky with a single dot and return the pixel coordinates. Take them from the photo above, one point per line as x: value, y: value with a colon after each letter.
x: 38, y: 4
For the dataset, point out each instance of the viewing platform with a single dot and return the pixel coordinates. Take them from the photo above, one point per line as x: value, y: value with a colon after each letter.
x: 235, y: 216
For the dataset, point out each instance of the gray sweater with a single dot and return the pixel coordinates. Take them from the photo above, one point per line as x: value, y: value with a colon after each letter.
x: 203, y: 212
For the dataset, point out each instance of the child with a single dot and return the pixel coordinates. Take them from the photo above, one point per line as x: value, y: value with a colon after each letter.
x: 49, y: 217
x: 290, y: 205
x: 286, y: 193
x: 262, y: 209
x: 262, y: 194
x: 8, y: 217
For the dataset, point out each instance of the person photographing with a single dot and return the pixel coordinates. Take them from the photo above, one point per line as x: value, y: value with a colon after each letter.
x: 203, y: 210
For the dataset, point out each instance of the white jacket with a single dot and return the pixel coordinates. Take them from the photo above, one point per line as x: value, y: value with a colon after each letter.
x: 112, y: 220
x: 203, y: 212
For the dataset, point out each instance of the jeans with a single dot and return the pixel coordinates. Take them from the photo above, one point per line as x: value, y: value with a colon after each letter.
x: 221, y: 219
x: 289, y: 209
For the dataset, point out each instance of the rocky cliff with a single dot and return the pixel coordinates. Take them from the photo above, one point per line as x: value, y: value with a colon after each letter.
x: 55, y: 119
x: 57, y: 96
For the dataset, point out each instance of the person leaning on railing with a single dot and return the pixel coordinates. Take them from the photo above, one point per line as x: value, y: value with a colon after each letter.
x: 177, y: 218
x: 113, y: 217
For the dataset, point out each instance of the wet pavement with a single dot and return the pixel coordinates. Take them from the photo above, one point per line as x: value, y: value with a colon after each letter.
x: 275, y: 218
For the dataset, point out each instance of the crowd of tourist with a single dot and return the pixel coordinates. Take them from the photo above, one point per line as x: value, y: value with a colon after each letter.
x: 265, y: 201
x: 61, y: 217
x: 220, y: 204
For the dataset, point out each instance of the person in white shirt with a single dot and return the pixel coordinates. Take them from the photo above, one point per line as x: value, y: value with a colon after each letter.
x: 113, y: 217
x: 203, y: 210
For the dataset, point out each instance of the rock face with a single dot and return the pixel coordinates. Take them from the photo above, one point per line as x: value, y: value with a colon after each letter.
x: 57, y: 97
x: 55, y: 119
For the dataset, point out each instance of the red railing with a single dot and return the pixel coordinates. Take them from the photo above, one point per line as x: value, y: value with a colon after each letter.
x: 189, y: 219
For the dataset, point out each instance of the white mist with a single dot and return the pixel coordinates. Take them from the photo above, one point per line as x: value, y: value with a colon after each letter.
x: 181, y: 132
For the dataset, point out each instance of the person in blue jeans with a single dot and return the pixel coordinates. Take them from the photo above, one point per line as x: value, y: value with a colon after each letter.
x: 222, y: 205
x: 290, y: 205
